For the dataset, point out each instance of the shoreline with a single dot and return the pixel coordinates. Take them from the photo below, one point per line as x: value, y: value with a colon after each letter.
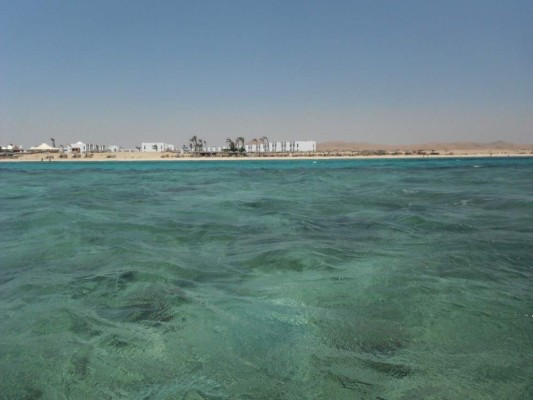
x: 166, y: 157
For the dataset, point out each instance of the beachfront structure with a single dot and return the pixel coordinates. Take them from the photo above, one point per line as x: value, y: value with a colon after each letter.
x: 292, y: 146
x: 10, y: 148
x: 44, y: 148
x: 158, y: 147
x: 282, y: 147
x: 203, y: 150
x: 80, y: 147
x: 254, y: 148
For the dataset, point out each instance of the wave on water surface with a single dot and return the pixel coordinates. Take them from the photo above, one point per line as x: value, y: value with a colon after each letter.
x: 297, y: 279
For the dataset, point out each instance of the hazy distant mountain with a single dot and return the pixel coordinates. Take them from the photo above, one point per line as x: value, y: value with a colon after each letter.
x: 348, y: 146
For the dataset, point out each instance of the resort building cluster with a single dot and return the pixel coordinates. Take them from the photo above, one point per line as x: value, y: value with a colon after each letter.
x: 195, y: 147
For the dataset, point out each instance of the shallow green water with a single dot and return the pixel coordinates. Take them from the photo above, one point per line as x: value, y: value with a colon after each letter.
x: 341, y: 279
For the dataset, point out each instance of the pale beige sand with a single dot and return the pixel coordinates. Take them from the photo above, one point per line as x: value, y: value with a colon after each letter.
x: 97, y: 157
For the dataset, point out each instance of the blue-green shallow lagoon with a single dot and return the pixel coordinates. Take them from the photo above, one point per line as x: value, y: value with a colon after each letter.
x: 333, y: 279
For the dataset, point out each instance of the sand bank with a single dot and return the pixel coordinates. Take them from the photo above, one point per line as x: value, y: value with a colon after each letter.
x: 99, y: 157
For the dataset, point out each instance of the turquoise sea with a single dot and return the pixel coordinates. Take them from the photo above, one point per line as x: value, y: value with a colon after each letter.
x: 294, y: 279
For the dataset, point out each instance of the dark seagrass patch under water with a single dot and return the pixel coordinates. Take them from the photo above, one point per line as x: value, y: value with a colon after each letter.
x: 338, y: 279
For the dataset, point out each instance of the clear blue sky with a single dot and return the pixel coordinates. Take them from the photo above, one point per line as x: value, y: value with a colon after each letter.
x: 123, y: 72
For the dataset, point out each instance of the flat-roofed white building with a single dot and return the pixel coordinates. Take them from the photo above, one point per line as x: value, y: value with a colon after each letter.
x: 255, y: 148
x: 158, y: 147
x: 80, y: 147
x: 98, y: 148
x: 292, y: 146
x: 304, y: 145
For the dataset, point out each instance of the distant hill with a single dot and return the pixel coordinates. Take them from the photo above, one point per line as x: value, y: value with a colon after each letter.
x: 357, y: 146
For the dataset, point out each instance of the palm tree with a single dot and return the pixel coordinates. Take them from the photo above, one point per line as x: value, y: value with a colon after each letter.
x: 53, y: 142
x: 193, y: 143
x: 264, y: 139
x: 231, y: 144
x: 196, y: 144
x: 240, y: 143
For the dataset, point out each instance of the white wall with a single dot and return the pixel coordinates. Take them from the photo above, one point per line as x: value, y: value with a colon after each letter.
x: 254, y: 148
x: 305, y: 145
x: 284, y: 147
x: 159, y: 147
x: 87, y: 147
x: 79, y: 145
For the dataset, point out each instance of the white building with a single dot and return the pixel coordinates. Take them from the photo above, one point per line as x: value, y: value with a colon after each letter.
x: 283, y: 147
x: 12, y: 148
x: 80, y: 147
x: 293, y: 146
x: 255, y: 148
x: 159, y: 147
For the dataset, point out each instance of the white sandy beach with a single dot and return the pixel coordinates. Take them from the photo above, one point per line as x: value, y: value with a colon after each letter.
x: 125, y: 156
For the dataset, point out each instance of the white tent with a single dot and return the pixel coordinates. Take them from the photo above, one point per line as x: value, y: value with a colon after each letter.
x: 44, y: 147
